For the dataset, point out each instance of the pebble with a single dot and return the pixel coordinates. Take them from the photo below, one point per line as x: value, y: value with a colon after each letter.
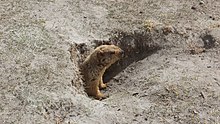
x: 201, y: 2
x: 193, y: 8
x: 209, y: 66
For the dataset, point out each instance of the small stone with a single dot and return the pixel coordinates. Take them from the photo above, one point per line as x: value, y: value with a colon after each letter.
x: 201, y: 2
x: 209, y: 66
x: 135, y: 94
x: 193, y: 8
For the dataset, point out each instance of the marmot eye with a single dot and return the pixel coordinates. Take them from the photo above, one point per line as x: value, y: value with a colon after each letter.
x: 112, y: 52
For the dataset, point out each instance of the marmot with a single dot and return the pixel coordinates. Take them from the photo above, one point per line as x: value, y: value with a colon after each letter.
x: 95, y: 65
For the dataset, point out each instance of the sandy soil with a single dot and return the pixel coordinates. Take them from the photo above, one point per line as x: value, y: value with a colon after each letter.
x: 170, y: 74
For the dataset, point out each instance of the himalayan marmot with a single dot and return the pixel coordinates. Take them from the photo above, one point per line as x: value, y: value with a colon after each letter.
x: 95, y: 65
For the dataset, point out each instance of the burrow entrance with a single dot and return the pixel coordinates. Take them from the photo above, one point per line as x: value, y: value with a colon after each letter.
x: 136, y: 45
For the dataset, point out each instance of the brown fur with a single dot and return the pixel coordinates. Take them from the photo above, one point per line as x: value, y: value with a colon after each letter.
x: 95, y: 65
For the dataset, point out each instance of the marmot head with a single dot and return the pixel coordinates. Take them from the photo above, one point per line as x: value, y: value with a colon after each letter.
x: 109, y: 54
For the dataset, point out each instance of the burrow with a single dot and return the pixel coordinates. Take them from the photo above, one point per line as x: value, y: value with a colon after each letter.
x: 137, y: 45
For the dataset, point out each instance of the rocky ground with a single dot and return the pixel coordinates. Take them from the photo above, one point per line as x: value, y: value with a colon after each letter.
x: 170, y: 74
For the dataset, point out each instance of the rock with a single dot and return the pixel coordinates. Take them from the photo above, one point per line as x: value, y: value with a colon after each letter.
x: 193, y: 8
x: 201, y: 2
x: 208, y: 40
x: 215, y: 33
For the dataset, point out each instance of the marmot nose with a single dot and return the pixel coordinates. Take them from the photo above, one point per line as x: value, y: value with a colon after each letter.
x: 122, y: 53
